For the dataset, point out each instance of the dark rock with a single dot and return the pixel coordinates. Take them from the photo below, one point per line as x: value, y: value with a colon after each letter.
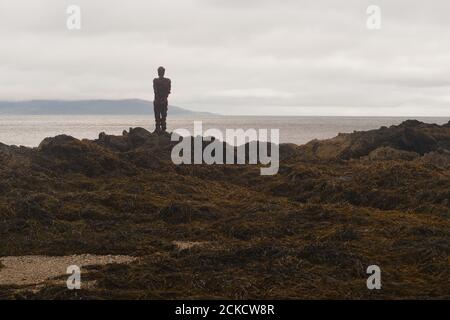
x: 139, y: 136
x: 49, y: 143
x: 411, y: 136
x: 69, y: 155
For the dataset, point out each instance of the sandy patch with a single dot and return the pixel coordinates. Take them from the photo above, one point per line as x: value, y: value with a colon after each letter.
x: 186, y: 245
x: 33, y: 270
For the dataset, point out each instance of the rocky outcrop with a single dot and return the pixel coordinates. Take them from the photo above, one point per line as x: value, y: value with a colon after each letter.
x: 133, y: 139
x: 65, y: 154
x: 410, y: 136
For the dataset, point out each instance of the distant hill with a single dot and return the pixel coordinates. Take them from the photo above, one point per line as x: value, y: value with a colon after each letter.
x: 89, y: 107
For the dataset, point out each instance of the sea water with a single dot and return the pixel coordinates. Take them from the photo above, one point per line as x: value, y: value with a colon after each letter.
x: 31, y: 130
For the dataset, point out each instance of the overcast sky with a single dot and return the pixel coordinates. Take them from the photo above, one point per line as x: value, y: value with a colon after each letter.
x: 289, y: 57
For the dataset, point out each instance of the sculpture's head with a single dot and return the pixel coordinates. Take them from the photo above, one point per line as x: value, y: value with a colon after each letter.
x: 161, y: 72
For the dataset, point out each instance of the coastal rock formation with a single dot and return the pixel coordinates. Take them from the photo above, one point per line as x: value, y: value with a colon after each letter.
x: 411, y: 135
x: 337, y: 206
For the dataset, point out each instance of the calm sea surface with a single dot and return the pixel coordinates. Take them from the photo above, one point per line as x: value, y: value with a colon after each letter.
x: 31, y: 130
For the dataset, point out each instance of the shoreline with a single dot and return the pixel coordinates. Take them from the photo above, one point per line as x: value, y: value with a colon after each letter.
x: 31, y: 130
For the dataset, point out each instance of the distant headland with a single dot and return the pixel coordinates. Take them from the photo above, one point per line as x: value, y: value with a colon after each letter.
x: 89, y: 107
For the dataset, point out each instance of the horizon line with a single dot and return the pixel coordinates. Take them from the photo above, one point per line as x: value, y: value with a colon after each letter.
x: 212, y: 112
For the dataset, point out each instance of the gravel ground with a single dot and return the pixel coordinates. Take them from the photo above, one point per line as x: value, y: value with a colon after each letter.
x: 33, y: 270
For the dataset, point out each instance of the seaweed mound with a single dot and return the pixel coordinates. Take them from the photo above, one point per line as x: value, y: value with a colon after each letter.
x: 411, y: 135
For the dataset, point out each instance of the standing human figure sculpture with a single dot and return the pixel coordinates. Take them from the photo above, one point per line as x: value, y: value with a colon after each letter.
x: 162, y: 87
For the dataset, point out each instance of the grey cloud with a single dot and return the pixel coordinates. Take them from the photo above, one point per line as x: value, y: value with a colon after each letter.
x: 229, y: 55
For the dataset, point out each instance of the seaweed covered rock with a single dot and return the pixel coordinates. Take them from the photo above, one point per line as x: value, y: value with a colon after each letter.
x: 439, y: 158
x: 69, y: 155
x: 133, y: 139
x: 388, y: 153
x: 411, y: 136
x: 57, y: 143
